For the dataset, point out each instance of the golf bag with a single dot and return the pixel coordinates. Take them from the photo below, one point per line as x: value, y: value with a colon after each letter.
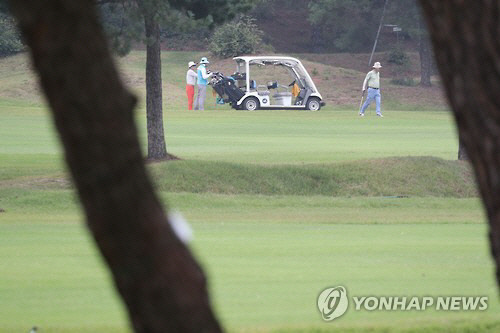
x: 226, y: 88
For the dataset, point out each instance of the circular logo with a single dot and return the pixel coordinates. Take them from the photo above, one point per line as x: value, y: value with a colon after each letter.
x: 333, y: 302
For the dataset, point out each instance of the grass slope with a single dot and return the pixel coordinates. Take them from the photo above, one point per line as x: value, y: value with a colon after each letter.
x: 411, y: 176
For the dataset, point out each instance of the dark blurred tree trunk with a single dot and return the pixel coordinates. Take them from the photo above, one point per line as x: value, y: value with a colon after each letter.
x: 466, y: 37
x: 157, y: 149
x: 163, y: 287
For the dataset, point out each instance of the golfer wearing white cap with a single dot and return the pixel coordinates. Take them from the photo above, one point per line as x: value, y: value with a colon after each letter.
x: 372, y: 83
x: 203, y: 77
x: 191, y: 79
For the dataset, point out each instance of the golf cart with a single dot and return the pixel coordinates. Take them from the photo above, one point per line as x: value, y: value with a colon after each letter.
x: 257, y: 85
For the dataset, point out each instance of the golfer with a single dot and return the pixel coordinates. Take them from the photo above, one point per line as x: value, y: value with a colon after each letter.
x: 203, y: 76
x: 191, y: 79
x: 372, y: 83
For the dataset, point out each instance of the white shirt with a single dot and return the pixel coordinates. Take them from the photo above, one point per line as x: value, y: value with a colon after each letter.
x: 204, y: 73
x: 191, y: 77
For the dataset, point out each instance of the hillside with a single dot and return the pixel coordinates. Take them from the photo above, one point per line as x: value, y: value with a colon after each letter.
x: 351, y: 70
x: 338, y: 76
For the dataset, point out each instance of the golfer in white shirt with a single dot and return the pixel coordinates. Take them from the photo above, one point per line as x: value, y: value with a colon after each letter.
x: 372, y: 83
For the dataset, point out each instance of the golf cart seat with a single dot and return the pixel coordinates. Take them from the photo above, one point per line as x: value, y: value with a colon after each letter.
x: 272, y: 85
x: 303, y: 96
x: 283, y: 98
x: 262, y: 90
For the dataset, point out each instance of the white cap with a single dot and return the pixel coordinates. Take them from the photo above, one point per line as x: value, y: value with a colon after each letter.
x: 204, y: 60
x: 377, y: 65
x: 191, y: 64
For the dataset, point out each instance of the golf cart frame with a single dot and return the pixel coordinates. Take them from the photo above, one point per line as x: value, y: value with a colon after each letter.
x: 243, y: 92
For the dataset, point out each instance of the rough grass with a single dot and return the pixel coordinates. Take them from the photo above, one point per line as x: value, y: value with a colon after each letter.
x: 399, y: 177
x: 346, y: 72
x: 409, y: 176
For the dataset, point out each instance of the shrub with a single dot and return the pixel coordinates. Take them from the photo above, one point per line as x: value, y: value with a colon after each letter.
x: 402, y: 61
x: 405, y: 81
x: 235, y: 38
x: 10, y: 41
x: 398, y: 57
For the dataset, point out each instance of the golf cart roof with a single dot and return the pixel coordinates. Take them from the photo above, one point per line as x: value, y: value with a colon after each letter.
x: 266, y: 58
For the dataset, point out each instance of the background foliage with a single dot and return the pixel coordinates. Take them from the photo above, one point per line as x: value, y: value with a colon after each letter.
x: 241, y: 36
x: 10, y: 40
x: 346, y: 25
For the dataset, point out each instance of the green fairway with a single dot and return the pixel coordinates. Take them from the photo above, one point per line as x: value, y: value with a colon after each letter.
x: 302, y: 137
x: 283, y: 205
x: 264, y: 137
x: 267, y: 258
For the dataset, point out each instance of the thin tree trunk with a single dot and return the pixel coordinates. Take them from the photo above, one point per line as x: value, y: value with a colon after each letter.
x: 466, y: 39
x: 317, y: 39
x: 425, y: 54
x: 157, y: 149
x: 163, y: 287
x: 462, y: 153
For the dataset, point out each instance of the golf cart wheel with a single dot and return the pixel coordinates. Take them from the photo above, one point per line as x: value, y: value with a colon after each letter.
x: 251, y: 104
x: 313, y: 104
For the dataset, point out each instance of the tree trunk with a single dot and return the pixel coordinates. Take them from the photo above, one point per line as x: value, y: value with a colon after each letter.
x: 317, y: 39
x: 163, y: 287
x: 157, y: 149
x: 425, y: 54
x: 465, y: 36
